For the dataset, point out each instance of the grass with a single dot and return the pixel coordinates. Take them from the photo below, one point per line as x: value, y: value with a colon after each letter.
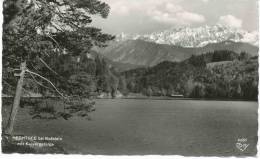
x: 45, y: 110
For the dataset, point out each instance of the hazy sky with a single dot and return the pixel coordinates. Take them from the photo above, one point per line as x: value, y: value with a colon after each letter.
x: 145, y: 16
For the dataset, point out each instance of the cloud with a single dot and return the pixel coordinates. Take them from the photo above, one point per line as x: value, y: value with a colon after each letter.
x: 163, y: 11
x: 180, y: 18
x: 174, y: 14
x: 230, y: 20
x: 205, y: 1
x: 122, y: 10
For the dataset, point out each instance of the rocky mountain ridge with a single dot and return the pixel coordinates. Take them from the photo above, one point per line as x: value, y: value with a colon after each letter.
x: 195, y: 37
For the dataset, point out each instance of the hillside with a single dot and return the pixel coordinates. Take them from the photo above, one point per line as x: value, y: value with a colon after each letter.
x: 139, y: 52
x: 118, y: 66
x: 212, y: 75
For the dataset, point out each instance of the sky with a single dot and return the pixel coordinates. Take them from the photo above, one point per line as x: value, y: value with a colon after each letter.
x: 146, y: 16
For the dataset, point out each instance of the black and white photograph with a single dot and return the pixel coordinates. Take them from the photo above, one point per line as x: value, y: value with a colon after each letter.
x: 130, y: 77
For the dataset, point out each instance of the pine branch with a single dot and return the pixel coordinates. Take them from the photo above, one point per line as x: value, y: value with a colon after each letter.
x: 48, y: 82
x: 39, y: 82
x: 48, y: 66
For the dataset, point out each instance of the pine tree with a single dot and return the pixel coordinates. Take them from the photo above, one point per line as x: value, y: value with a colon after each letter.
x: 34, y: 30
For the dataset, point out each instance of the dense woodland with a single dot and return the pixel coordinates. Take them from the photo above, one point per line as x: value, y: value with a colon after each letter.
x: 83, y: 76
x: 220, y: 74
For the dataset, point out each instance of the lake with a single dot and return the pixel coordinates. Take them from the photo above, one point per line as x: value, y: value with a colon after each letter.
x: 142, y: 127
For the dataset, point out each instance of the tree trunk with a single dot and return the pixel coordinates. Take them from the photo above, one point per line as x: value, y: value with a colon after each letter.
x: 16, y: 103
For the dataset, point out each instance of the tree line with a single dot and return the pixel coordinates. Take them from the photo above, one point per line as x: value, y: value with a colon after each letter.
x: 218, y: 74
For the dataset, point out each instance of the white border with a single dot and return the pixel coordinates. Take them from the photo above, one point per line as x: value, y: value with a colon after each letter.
x: 28, y: 156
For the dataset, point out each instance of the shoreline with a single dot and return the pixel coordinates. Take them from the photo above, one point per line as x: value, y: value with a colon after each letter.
x: 169, y: 98
x: 151, y: 98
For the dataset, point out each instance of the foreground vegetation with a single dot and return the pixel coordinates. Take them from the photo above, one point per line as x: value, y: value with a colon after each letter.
x: 44, y: 44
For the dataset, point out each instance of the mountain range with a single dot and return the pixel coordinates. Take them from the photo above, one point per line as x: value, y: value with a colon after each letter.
x: 195, y: 37
x: 145, y: 53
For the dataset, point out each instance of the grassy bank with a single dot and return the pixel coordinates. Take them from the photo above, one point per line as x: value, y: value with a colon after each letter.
x: 45, y: 110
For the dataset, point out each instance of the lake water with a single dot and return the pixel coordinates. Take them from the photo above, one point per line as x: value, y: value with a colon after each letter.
x: 142, y: 127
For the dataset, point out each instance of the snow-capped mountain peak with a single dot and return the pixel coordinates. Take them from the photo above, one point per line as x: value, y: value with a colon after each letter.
x: 196, y: 37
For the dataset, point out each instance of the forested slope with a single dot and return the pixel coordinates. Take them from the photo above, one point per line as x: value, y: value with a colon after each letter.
x: 219, y: 74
